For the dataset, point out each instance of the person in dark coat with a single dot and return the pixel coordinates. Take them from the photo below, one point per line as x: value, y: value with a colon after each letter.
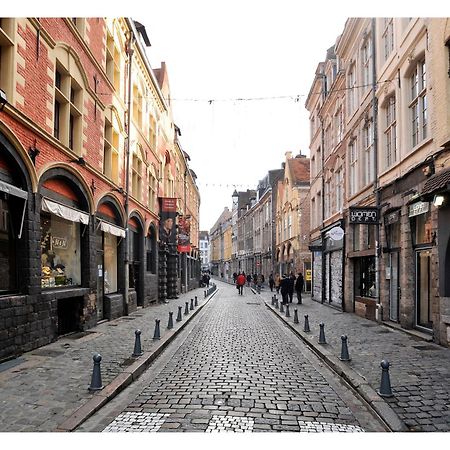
x: 291, y: 286
x: 299, y: 283
x: 249, y: 279
x: 271, y: 282
x: 284, y: 288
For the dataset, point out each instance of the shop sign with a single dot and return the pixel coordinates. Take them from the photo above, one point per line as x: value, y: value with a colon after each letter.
x: 59, y: 242
x: 418, y: 208
x: 308, y: 275
x: 365, y: 215
x: 391, y: 218
x: 336, y: 233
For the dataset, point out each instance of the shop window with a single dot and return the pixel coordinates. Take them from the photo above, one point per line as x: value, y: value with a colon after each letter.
x: 365, y: 277
x: 363, y: 237
x: 110, y: 262
x: 7, y: 56
x: 393, y: 235
x: 60, y: 251
x: 68, y: 108
x: 8, y: 266
x: 421, y: 229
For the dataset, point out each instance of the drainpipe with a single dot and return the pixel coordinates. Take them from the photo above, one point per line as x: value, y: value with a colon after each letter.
x: 185, y: 254
x: 129, y: 51
x: 376, y: 183
x: 322, y: 144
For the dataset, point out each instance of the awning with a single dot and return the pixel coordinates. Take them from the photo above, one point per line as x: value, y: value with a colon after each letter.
x: 438, y: 182
x: 13, y: 190
x: 65, y: 212
x: 112, y: 229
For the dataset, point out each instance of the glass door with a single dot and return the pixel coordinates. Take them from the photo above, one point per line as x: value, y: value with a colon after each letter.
x: 394, y: 286
x: 423, y: 289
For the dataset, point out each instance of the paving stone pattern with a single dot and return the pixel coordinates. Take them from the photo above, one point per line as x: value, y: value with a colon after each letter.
x: 52, y: 381
x: 241, y: 370
x: 419, y: 371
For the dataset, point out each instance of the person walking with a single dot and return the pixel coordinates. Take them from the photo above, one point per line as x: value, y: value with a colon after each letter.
x: 291, y: 286
x: 299, y: 283
x: 284, y: 288
x: 240, y: 281
x: 249, y: 279
x: 271, y: 282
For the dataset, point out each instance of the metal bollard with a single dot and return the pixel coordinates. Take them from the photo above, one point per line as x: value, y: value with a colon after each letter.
x: 306, y: 326
x: 205, y: 293
x: 322, y: 333
x: 137, y: 344
x: 196, y: 301
x: 344, y: 349
x: 288, y: 314
x: 281, y: 307
x: 295, y: 316
x: 157, y: 334
x: 192, y: 304
x: 385, y: 385
x: 96, y: 380
x: 273, y: 300
x: 186, y: 309
x: 170, y: 324
x: 179, y: 317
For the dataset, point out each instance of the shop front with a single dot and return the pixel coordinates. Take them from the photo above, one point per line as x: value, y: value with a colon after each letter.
x: 136, y: 263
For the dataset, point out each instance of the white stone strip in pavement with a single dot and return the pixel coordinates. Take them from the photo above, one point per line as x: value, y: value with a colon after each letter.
x: 324, y: 427
x: 234, y: 424
x: 136, y: 422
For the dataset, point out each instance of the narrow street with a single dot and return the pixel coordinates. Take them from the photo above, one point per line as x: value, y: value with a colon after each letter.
x: 236, y: 368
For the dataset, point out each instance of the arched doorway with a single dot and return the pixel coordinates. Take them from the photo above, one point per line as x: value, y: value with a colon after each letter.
x: 136, y: 265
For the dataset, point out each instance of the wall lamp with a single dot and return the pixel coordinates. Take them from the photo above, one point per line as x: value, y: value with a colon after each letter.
x: 33, y: 152
x: 438, y: 200
x: 3, y: 99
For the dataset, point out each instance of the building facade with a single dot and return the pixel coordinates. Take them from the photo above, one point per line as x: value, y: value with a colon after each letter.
x: 87, y: 147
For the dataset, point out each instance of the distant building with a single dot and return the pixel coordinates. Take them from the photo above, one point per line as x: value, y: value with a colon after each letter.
x: 204, y: 250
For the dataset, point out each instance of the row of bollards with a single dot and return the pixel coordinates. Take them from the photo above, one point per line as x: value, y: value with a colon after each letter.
x: 210, y: 290
x: 385, y: 385
x: 96, y: 379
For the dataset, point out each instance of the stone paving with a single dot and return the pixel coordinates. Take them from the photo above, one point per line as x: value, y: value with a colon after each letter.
x: 419, y: 370
x: 50, y: 383
x: 241, y: 370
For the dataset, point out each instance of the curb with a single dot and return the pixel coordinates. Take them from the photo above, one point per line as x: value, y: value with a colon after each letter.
x: 359, y: 385
x: 125, y: 378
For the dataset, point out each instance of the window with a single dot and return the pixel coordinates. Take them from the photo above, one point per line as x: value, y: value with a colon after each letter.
x: 67, y: 125
x: 8, y: 266
x: 7, y: 56
x: 388, y: 36
x: 339, y: 125
x: 365, y: 277
x: 110, y: 262
x: 136, y: 177
x: 369, y: 156
x: 111, y: 153
x: 366, y: 62
x: 113, y: 62
x: 326, y: 199
x: 289, y: 226
x: 339, y: 189
x: 137, y: 107
x: 418, y: 105
x: 390, y: 132
x: 60, y: 251
x: 353, y: 153
x: 80, y: 24
x: 351, y: 86
x: 152, y: 188
x: 152, y: 133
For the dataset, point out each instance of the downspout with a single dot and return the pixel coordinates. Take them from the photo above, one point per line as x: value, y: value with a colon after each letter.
x: 375, y: 152
x: 129, y: 51
x: 322, y: 144
x: 185, y: 254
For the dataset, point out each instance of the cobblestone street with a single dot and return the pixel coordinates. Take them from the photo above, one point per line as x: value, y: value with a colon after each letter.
x: 241, y: 370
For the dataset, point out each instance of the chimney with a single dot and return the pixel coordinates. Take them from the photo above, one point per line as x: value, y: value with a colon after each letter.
x: 288, y: 155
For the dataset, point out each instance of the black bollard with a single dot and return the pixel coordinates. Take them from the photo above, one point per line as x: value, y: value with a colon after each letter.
x: 281, y: 307
x: 295, y: 316
x: 196, y: 301
x: 288, y: 314
x: 385, y: 385
x: 137, y: 344
x: 273, y: 300
x: 96, y: 380
x: 344, y: 349
x: 306, y: 326
x: 322, y: 333
x: 276, y: 304
x: 186, y: 309
x: 205, y: 293
x: 157, y: 334
x: 179, y: 317
x: 170, y: 324
x: 192, y: 304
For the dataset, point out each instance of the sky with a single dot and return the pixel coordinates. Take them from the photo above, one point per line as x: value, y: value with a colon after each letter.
x: 239, y: 72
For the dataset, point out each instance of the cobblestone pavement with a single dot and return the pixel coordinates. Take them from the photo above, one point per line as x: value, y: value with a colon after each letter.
x: 419, y: 370
x: 241, y: 370
x: 42, y: 388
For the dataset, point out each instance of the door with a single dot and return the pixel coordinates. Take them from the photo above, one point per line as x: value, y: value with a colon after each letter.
x: 394, y: 286
x: 423, y: 289
x: 100, y: 286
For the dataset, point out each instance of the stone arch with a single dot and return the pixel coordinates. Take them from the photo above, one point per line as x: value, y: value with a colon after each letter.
x: 116, y: 204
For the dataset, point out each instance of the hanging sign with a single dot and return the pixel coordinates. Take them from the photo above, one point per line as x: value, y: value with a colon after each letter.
x: 336, y: 233
x: 418, y: 208
x: 365, y: 215
x: 184, y: 232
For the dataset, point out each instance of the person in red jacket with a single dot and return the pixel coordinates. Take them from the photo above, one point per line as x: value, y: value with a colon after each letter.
x: 240, y: 281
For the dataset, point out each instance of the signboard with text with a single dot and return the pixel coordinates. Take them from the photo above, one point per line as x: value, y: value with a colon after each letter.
x: 167, y: 219
x: 365, y: 215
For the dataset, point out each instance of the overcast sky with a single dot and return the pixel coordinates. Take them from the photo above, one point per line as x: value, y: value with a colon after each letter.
x: 239, y: 72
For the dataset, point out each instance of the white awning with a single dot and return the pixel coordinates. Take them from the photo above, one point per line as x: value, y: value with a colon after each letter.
x: 65, y: 212
x: 13, y: 190
x: 112, y: 229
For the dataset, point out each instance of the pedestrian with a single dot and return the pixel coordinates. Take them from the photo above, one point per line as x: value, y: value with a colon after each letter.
x: 271, y: 282
x: 207, y: 280
x: 259, y: 281
x: 234, y: 277
x: 240, y: 281
x: 291, y: 286
x: 249, y: 279
x: 299, y: 283
x: 277, y: 282
x: 284, y: 287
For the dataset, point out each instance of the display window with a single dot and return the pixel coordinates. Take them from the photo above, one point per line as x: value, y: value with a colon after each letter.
x: 110, y: 263
x: 365, y: 277
x: 8, y: 274
x: 60, y: 251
